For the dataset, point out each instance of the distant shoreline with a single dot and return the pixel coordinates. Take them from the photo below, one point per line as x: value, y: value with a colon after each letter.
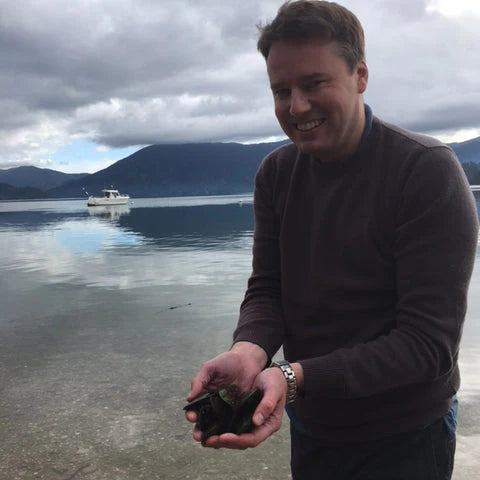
x: 55, y: 199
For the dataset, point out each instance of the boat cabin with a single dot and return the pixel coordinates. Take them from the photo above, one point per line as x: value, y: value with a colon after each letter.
x: 110, y: 193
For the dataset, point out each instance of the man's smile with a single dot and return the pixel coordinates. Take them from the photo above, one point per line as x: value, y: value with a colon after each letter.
x: 307, y: 126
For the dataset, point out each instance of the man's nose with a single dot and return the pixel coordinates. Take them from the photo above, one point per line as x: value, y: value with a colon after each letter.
x: 299, y: 104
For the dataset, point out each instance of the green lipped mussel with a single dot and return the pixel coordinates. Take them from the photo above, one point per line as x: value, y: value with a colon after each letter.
x: 225, y: 410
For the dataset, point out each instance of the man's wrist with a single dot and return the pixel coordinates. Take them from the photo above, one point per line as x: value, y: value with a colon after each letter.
x: 253, y: 351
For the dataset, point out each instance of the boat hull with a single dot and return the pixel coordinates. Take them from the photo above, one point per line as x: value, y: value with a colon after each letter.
x: 97, y: 201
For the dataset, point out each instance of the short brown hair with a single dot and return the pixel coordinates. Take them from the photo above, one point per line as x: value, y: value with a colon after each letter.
x: 304, y: 20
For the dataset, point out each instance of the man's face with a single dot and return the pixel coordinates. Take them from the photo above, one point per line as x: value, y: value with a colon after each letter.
x: 318, y: 101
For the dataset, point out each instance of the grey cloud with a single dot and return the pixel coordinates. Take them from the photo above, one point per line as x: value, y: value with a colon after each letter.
x: 448, y: 116
x: 125, y: 73
x: 11, y: 164
x: 115, y: 52
x: 423, y: 74
x: 168, y: 121
x: 406, y: 10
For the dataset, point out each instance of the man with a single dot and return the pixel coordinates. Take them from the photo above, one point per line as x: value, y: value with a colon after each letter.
x: 365, y: 236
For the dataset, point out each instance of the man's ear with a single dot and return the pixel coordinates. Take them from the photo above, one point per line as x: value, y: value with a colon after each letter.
x: 362, y: 77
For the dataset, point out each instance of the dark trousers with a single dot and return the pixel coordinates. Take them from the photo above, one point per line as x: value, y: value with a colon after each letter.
x: 425, y: 454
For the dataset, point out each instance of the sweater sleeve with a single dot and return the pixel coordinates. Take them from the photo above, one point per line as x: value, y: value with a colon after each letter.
x: 433, y: 254
x: 261, y: 319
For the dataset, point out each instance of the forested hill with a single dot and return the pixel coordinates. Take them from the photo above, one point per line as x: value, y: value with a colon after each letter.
x: 42, y: 178
x: 469, y: 151
x: 177, y: 170
x: 469, y: 154
x: 7, y: 192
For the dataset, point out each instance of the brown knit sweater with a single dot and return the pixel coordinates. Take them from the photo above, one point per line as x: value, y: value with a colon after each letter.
x: 361, y: 270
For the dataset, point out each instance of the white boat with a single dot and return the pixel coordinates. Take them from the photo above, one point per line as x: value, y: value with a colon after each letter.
x: 110, y: 197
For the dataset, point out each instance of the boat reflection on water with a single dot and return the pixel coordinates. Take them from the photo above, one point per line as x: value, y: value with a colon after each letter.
x: 109, y: 212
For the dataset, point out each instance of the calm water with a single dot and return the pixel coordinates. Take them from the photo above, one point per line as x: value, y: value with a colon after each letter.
x: 106, y: 314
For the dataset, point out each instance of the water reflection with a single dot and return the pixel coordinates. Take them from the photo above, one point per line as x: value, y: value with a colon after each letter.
x: 202, y: 227
x: 126, y: 247
x: 109, y: 212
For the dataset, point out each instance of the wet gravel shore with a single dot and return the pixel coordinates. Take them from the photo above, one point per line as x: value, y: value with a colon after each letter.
x: 106, y: 404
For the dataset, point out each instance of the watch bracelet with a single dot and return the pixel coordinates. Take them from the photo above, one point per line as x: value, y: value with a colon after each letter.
x: 290, y: 378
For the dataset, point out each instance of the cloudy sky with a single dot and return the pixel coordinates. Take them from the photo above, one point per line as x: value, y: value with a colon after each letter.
x: 83, y: 84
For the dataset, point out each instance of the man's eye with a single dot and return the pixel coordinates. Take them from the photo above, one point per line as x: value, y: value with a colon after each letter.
x: 281, y: 94
x: 314, y: 84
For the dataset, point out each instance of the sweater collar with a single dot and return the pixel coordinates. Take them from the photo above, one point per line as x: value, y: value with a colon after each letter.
x: 368, y: 123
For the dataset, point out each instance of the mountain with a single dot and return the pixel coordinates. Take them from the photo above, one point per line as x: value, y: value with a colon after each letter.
x: 469, y: 154
x: 177, y: 170
x: 469, y: 151
x: 203, y: 169
x: 8, y: 192
x: 42, y: 178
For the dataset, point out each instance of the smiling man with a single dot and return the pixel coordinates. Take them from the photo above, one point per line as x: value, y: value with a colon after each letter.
x: 318, y: 99
x: 365, y: 236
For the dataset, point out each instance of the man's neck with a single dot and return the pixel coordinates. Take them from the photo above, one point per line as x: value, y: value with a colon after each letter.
x: 357, y: 136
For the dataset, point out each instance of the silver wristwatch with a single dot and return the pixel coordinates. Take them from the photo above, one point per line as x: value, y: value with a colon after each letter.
x: 289, y: 375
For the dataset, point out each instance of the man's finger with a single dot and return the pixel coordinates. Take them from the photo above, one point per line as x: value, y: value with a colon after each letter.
x: 197, y: 435
x: 191, y: 416
x: 197, y: 387
x: 236, y: 442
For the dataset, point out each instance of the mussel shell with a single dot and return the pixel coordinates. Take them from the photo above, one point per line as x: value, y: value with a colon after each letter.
x: 242, y: 418
x: 224, y: 411
x: 229, y: 394
x: 197, y: 402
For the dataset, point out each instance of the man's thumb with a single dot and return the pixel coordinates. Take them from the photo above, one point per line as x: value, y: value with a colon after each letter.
x: 258, y: 419
x: 264, y: 410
